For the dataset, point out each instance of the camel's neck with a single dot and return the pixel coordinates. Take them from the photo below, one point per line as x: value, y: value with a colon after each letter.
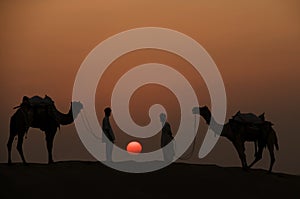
x: 224, y: 130
x: 207, y: 118
x: 213, y: 124
x: 216, y: 127
x: 65, y: 119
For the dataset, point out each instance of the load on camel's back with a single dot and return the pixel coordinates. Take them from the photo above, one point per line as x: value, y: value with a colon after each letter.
x: 35, y: 106
x: 41, y: 113
x: 255, y: 124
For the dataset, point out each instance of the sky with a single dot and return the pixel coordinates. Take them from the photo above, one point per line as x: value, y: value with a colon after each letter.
x: 255, y: 45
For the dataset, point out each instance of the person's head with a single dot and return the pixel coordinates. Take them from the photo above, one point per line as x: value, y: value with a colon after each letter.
x: 107, y: 111
x: 163, y: 117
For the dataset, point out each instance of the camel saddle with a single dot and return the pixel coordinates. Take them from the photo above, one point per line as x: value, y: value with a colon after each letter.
x: 37, y: 101
x: 33, y: 105
x: 248, y: 118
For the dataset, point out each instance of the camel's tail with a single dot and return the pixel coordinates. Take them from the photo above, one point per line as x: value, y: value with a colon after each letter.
x: 276, y: 143
x: 275, y: 140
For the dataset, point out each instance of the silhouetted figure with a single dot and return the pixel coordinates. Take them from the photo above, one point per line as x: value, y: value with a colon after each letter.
x: 40, y: 114
x: 108, y: 138
x: 242, y: 128
x: 166, y: 138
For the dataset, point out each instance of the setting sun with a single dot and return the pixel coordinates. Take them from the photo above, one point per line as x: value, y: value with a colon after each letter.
x: 134, y: 147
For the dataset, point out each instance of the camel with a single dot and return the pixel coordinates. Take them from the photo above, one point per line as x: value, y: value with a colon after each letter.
x: 238, y: 133
x: 41, y: 113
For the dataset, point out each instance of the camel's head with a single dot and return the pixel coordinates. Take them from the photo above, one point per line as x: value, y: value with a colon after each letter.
x: 204, y: 109
x: 204, y: 112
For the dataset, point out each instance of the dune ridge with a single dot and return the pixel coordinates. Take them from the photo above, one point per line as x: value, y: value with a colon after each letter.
x: 82, y: 179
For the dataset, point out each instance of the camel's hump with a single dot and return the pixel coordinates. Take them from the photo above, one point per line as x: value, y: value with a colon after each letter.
x: 37, y: 100
x: 247, y: 118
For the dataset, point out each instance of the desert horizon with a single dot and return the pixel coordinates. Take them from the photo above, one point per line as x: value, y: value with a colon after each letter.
x: 255, y: 46
x: 81, y: 178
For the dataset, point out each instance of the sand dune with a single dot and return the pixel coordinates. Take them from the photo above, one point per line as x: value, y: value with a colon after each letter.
x: 76, y: 179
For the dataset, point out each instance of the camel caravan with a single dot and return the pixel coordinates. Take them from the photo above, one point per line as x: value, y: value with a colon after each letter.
x: 244, y: 127
x: 41, y: 113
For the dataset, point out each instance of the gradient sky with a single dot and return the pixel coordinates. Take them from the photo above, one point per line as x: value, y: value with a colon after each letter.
x: 255, y: 45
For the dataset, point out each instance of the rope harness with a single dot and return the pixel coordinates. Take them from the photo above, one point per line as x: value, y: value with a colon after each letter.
x: 87, y: 125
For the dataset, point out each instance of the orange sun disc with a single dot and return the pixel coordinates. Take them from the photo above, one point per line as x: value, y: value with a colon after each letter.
x: 134, y: 147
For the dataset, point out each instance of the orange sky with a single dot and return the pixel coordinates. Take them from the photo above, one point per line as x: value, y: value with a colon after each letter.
x: 254, y: 44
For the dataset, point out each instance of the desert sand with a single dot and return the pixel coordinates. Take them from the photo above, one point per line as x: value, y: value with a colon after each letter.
x: 79, y: 179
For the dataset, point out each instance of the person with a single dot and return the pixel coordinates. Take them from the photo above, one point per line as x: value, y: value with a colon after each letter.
x: 108, y: 135
x: 167, y: 143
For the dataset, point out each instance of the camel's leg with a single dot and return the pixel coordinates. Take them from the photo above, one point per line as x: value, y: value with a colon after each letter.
x: 9, y: 145
x: 240, y: 147
x: 13, y: 131
x: 272, y: 156
x: 20, y: 148
x: 49, y: 139
x: 255, y: 148
x: 258, y: 155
